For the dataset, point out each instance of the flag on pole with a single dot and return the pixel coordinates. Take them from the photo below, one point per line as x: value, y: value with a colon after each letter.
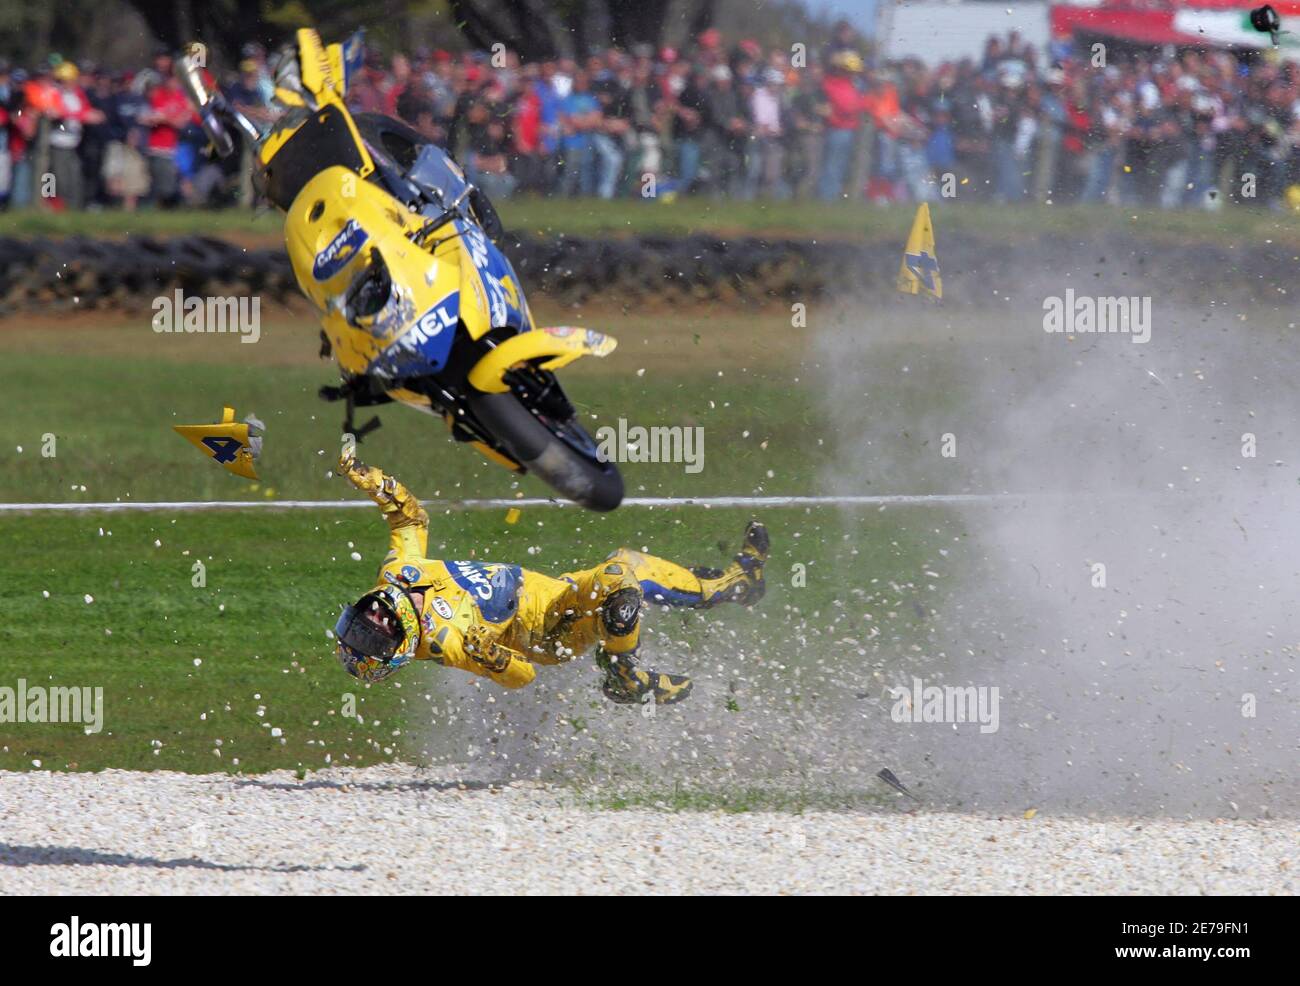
x: 919, y: 273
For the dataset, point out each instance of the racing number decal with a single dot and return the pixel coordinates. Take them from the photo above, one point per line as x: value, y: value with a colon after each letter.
x: 223, y: 449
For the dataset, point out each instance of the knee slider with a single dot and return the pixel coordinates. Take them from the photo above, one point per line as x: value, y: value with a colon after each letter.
x: 621, y: 611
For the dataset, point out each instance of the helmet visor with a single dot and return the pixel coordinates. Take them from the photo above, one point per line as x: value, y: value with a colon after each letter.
x: 370, y: 638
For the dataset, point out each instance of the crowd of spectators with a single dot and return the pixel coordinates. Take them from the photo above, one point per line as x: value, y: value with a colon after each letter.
x: 1173, y: 129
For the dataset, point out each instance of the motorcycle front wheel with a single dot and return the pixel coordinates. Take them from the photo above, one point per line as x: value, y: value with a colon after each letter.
x: 551, y: 451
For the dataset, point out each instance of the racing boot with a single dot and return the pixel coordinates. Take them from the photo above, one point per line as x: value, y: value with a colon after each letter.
x: 626, y: 684
x: 741, y: 581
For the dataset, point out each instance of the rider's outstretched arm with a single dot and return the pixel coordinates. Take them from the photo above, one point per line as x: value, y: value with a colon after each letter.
x: 407, y: 522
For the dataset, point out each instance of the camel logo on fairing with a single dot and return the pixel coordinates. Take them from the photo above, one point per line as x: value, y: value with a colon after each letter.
x: 431, y: 323
x: 340, y: 250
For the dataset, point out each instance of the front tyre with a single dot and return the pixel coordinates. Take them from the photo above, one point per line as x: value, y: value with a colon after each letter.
x: 579, y: 476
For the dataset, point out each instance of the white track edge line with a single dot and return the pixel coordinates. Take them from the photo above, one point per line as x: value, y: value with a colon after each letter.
x: 504, y: 503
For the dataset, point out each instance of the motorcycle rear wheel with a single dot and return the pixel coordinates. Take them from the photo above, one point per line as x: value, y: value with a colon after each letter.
x: 581, y: 478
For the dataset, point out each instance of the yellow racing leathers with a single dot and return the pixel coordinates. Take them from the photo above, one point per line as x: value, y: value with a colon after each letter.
x: 499, y: 620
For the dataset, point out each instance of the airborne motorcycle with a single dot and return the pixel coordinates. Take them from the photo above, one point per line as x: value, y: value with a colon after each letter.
x: 395, y: 249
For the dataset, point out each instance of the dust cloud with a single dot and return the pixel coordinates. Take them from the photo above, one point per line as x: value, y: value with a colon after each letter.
x: 1131, y: 598
x: 1137, y: 608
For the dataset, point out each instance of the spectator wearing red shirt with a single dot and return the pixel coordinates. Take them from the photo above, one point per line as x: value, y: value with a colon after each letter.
x: 21, y: 132
x: 167, y: 114
x: 846, y: 104
x: 1073, y: 166
x: 528, y: 160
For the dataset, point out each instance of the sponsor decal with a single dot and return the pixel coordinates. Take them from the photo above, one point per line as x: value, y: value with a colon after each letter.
x: 473, y: 578
x: 495, y: 588
x: 430, y: 324
x: 477, y: 246
x: 339, y: 251
x: 442, y: 607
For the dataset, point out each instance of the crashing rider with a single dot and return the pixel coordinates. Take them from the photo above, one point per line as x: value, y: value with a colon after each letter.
x: 500, y: 621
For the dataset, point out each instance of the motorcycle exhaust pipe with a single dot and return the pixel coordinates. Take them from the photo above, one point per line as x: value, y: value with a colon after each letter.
x: 211, y: 106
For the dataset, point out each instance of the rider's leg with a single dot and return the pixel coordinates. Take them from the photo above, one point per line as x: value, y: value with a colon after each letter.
x: 666, y: 583
x: 546, y: 607
x: 606, y: 604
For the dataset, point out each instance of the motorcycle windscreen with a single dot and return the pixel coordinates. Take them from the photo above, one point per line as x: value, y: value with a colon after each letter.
x: 322, y: 141
x: 434, y: 169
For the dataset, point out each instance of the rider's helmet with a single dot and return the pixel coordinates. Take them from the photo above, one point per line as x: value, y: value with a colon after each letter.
x: 378, y: 633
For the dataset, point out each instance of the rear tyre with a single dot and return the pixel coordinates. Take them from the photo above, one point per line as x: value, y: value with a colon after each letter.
x: 580, y: 477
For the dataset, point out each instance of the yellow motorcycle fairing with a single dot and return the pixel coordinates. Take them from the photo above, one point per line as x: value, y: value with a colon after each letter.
x: 320, y: 68
x: 331, y: 229
x: 290, y: 124
x: 317, y: 130
x: 562, y: 344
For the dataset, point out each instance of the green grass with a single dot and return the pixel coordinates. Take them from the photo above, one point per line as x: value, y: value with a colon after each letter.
x: 274, y: 583
x: 119, y: 442
x: 110, y: 394
x: 265, y: 223
x: 184, y: 667
x: 275, y: 579
x: 736, y: 801
x: 842, y: 221
x: 858, y: 221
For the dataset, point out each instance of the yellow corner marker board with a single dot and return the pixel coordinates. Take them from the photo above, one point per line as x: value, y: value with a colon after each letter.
x: 228, y: 442
x: 919, y: 273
